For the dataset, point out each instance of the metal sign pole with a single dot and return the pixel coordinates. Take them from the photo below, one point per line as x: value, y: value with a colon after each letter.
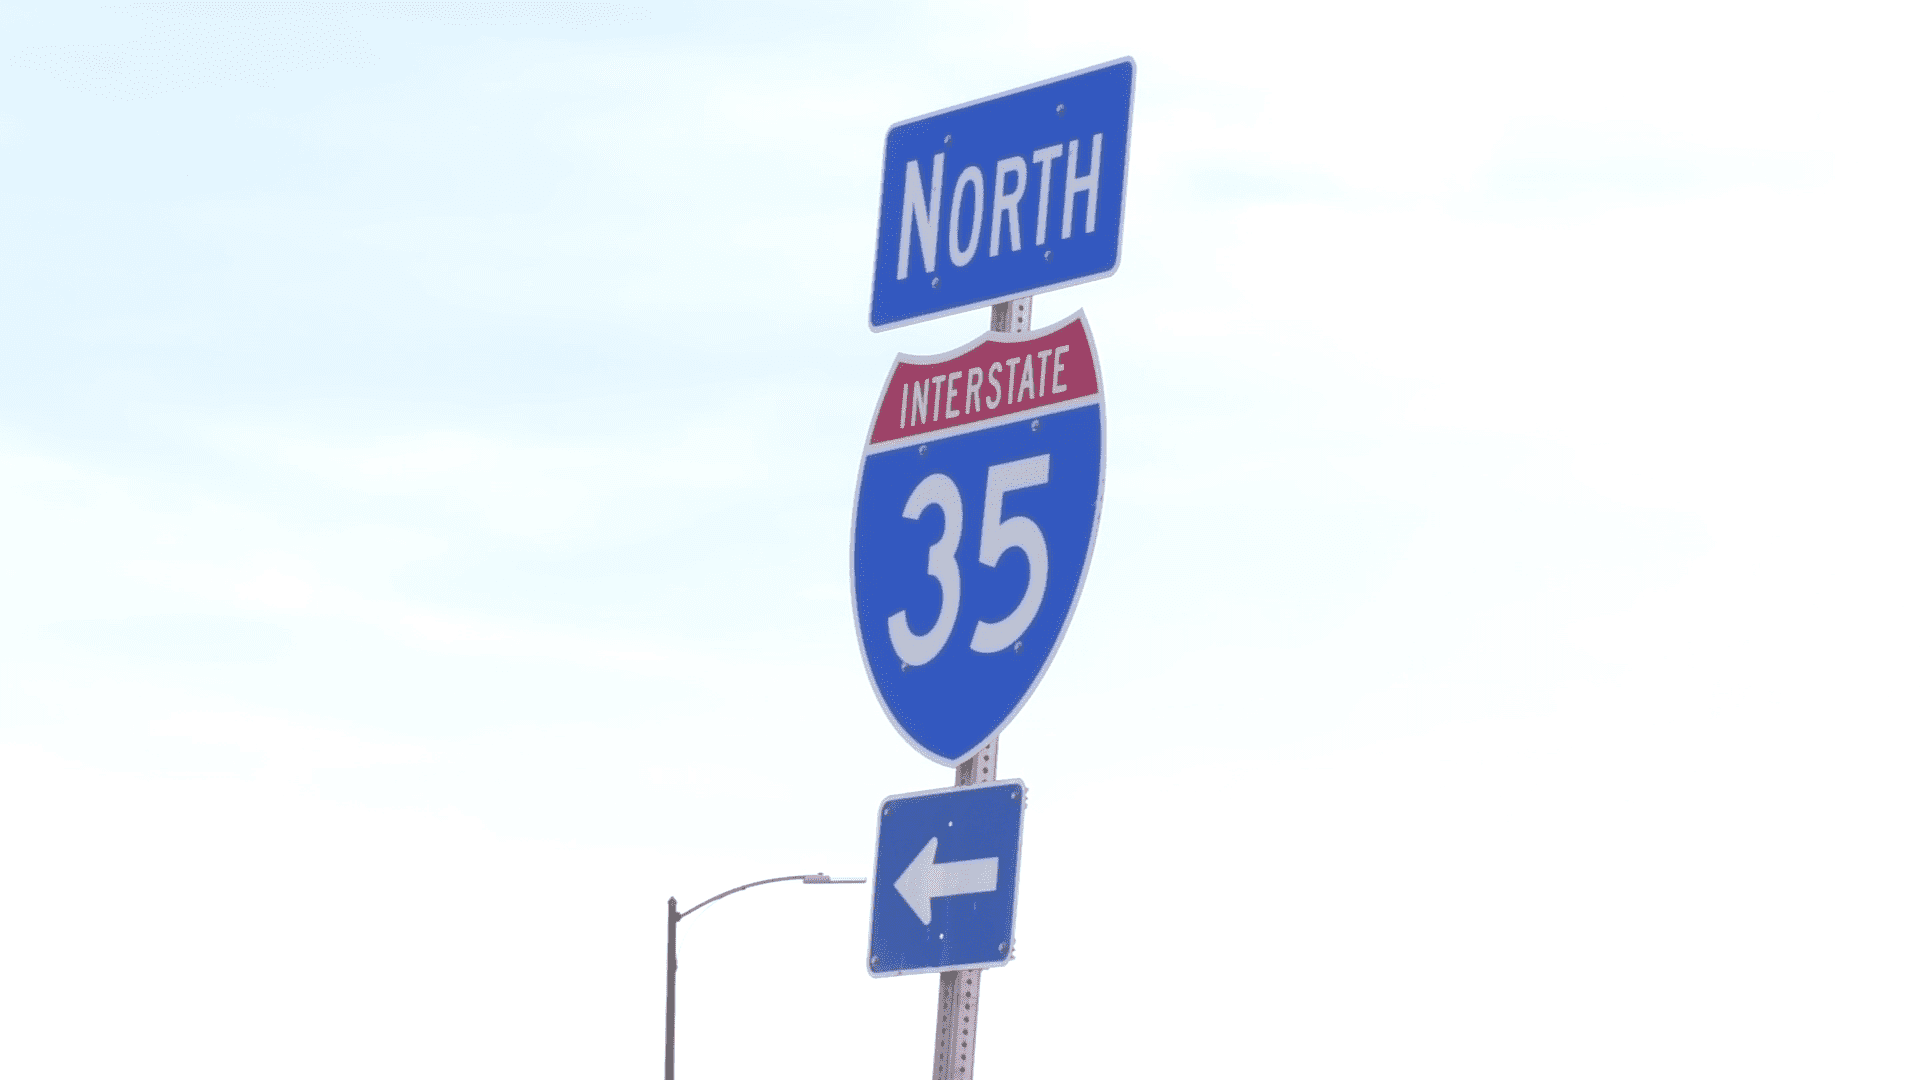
x: 958, y: 1017
x: 1013, y: 317
x: 957, y: 1021
x: 673, y: 965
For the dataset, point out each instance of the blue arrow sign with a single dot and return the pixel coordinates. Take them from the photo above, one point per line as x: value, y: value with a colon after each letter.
x: 1007, y: 196
x: 946, y: 877
x: 978, y: 499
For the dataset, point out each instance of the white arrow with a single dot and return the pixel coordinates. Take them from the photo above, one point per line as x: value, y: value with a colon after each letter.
x: 924, y: 879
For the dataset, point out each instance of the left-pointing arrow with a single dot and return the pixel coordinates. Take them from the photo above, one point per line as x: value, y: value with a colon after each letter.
x: 924, y: 879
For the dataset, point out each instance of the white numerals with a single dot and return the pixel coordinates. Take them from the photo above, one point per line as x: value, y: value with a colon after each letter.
x: 997, y: 537
x: 936, y: 490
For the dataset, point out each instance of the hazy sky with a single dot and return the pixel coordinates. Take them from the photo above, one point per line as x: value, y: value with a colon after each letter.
x: 427, y: 444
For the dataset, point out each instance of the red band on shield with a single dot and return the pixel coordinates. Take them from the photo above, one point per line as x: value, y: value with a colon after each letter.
x: 991, y: 380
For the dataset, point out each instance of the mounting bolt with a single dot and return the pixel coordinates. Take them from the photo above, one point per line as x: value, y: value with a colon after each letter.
x: 1058, y: 109
x: 923, y: 449
x: 936, y: 283
x: 1016, y: 646
x: 1003, y: 946
x: 1048, y: 255
x: 1036, y: 425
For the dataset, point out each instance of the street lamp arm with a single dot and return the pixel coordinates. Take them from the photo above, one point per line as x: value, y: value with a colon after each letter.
x: 674, y: 915
x: 737, y: 888
x: 811, y: 879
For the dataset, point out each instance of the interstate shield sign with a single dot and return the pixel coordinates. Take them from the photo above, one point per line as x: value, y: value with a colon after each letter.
x: 978, y: 499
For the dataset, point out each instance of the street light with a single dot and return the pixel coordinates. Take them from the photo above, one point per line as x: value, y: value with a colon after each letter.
x: 674, y: 915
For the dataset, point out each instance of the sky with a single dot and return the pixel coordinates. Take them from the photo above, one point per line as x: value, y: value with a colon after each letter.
x: 428, y: 435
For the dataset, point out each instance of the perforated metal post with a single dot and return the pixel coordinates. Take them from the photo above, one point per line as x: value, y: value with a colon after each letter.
x: 1013, y: 317
x: 959, y: 1020
x: 957, y: 1024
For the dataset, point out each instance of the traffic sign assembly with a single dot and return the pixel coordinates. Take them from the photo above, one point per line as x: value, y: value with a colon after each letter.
x: 977, y: 505
x: 1003, y: 197
x: 979, y: 495
x: 946, y: 879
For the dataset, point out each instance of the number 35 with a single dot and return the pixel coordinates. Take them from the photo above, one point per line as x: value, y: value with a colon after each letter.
x: 997, y: 537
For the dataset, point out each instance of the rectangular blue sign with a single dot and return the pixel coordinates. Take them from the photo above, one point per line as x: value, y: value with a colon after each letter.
x: 1003, y: 197
x: 946, y: 876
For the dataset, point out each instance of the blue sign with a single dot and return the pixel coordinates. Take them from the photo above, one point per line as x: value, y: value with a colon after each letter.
x: 1002, y: 197
x: 972, y: 525
x: 946, y: 872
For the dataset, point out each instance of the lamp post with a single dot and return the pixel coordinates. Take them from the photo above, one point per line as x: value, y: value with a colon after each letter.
x: 674, y: 915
